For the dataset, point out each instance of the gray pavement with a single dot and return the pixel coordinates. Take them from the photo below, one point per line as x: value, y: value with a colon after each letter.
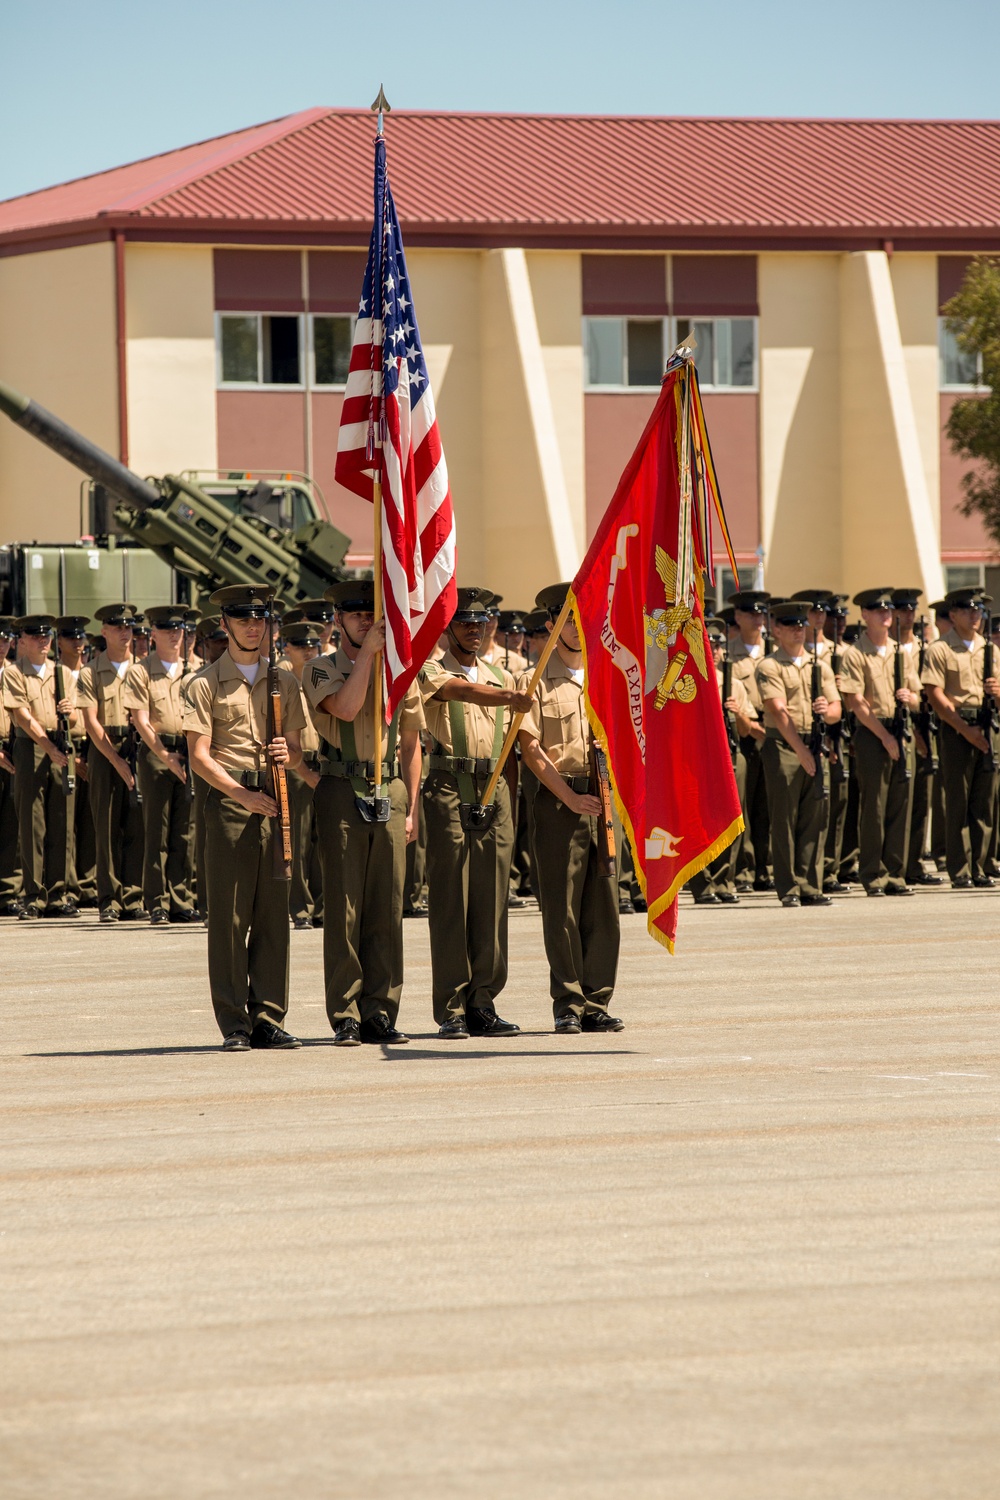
x: 746, y: 1248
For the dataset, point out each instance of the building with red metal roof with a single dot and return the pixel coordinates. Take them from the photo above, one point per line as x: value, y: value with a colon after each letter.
x: 190, y: 311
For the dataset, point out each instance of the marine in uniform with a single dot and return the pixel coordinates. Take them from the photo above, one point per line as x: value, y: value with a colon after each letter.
x: 954, y: 678
x: 468, y: 871
x: 904, y: 602
x: 44, y: 807
x: 225, y: 719
x: 750, y: 613
x: 841, y: 853
x: 211, y: 641
x: 798, y: 808
x: 321, y: 615
x: 301, y: 641
x: 883, y: 744
x: 10, y: 867
x: 114, y: 795
x: 363, y: 859
x: 152, y: 696
x: 579, y: 902
x: 71, y: 651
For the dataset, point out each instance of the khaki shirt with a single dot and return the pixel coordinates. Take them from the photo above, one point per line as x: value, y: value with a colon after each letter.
x: 327, y: 675
x: 6, y: 722
x: 149, y: 685
x: 779, y: 677
x: 558, y: 717
x: 745, y: 670
x: 949, y: 665
x: 309, y: 735
x: 873, y: 676
x: 100, y: 686
x: 740, y: 694
x: 479, y: 720
x: 218, y: 701
x: 511, y: 661
x: 25, y: 688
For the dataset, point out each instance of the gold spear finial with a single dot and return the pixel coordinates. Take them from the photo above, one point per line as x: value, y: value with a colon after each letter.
x: 381, y: 107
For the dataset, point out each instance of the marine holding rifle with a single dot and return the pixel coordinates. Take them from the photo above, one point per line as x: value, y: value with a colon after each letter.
x: 10, y: 869
x: 362, y: 829
x: 228, y: 714
x: 468, y: 851
x: 572, y: 857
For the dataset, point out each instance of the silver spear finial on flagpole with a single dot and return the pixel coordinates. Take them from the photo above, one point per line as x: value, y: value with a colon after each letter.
x: 381, y: 107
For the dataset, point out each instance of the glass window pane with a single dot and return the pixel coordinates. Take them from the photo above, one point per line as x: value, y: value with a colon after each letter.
x: 605, y: 351
x: 957, y: 367
x: 281, y: 351
x: 645, y: 352
x: 332, y: 339
x: 239, y: 349
x: 722, y: 328
x: 704, y: 357
x: 962, y: 576
x: 741, y: 335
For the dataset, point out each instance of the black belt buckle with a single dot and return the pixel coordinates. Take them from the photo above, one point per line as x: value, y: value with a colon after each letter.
x: 373, y: 809
x: 251, y: 780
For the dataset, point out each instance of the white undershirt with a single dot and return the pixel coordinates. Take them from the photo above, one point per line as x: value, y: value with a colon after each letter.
x: 250, y: 673
x: 577, y: 675
x: 121, y: 667
x: 881, y: 650
x: 472, y: 673
x: 38, y: 670
x: 171, y: 668
x: 753, y: 650
x: 967, y: 645
x: 798, y: 660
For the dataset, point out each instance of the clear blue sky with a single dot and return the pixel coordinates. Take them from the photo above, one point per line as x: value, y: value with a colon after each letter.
x: 88, y: 84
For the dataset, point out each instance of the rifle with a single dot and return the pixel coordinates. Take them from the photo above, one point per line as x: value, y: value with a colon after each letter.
x: 817, y: 735
x: 189, y: 778
x: 727, y: 693
x: 600, y: 780
x: 837, y: 733
x: 926, y: 721
x: 64, y: 738
x: 988, y: 718
x: 901, y: 714
x: 277, y: 784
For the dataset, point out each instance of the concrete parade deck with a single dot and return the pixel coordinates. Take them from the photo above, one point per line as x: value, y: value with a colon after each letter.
x: 747, y: 1249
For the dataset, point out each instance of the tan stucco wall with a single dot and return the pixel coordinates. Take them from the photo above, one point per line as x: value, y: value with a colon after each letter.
x: 170, y: 360
x: 557, y: 291
x: 57, y: 345
x: 915, y: 289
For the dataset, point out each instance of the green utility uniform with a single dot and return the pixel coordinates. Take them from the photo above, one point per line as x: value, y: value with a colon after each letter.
x: 967, y: 776
x: 468, y: 874
x: 579, y: 903
x: 363, y: 863
x: 885, y: 787
x: 798, y: 814
x: 166, y: 802
x: 247, y: 907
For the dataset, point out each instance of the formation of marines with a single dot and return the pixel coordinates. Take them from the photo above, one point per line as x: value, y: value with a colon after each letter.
x: 142, y: 773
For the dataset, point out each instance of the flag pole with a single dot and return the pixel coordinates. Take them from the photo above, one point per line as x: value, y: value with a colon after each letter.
x: 515, y: 723
x: 379, y: 107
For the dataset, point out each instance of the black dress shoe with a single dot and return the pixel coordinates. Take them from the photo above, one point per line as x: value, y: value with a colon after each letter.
x: 184, y: 918
x: 625, y: 908
x: 134, y: 916
x: 898, y: 890
x: 9, y: 909
x: 763, y: 883
x: 488, y: 1023
x: 924, y: 879
x: 984, y: 882
x: 816, y: 900
x: 236, y: 1041
x: 729, y: 898
x: 962, y: 883
x: 29, y: 914
x: 599, y: 1020
x: 874, y: 890
x: 567, y: 1025
x: 639, y: 903
x: 835, y: 888
x: 707, y: 900
x: 109, y: 916
x: 415, y: 911
x: 268, y: 1036
x: 64, y: 911
x: 379, y: 1031
x: 790, y: 901
x: 347, y: 1034
x: 159, y: 918
x: 454, y: 1030
x: 302, y: 924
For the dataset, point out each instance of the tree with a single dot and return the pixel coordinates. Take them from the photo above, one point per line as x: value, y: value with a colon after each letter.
x: 973, y: 316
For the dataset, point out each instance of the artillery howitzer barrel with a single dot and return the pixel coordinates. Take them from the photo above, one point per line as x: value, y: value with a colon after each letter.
x: 78, y: 450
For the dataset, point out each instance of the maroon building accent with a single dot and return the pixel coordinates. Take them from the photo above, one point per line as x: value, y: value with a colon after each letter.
x: 961, y: 536
x: 721, y: 286
x: 258, y: 281
x: 951, y: 274
x: 261, y: 430
x: 624, y: 285
x: 613, y: 425
x: 335, y: 280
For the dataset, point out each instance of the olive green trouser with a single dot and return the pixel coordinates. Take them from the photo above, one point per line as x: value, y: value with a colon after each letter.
x: 938, y: 815
x: 720, y: 875
x: 10, y: 865
x: 884, y: 801
x: 755, y: 849
x: 305, y: 894
x: 468, y: 875
x: 798, y: 821
x: 201, y: 791
x: 364, y: 865
x: 84, y: 846
x: 579, y: 908
x: 833, y: 844
x: 247, y: 917
x: 118, y: 837
x: 44, y: 826
x: 169, y: 829
x: 969, y: 789
x: 416, y: 864
x: 521, y: 882
x: 922, y: 784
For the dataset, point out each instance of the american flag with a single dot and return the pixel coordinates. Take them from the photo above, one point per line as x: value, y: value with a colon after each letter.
x: 389, y: 430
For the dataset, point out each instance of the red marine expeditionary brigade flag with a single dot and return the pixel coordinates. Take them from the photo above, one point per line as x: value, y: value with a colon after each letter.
x: 389, y: 451
x: 652, y: 694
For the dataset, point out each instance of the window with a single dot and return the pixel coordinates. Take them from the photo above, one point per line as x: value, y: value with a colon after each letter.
x: 725, y: 584
x: 956, y: 367
x: 259, y: 349
x: 962, y: 576
x: 332, y: 338
x: 623, y: 352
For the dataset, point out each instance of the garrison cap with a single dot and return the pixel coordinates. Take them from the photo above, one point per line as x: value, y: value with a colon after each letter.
x: 240, y: 597
x: 752, y: 601
x: 354, y: 595
x: 552, y: 598
x: 874, y: 599
x: 511, y: 621
x: 790, y: 611
x: 318, y: 611
x: 815, y: 598
x: 534, y: 622
x: 36, y: 624
x: 8, y: 625
x: 300, y: 633
x: 115, y: 614
x: 966, y: 599
x: 74, y: 627
x: 167, y: 616
x: 906, y: 598
x: 473, y: 604
x: 209, y: 626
